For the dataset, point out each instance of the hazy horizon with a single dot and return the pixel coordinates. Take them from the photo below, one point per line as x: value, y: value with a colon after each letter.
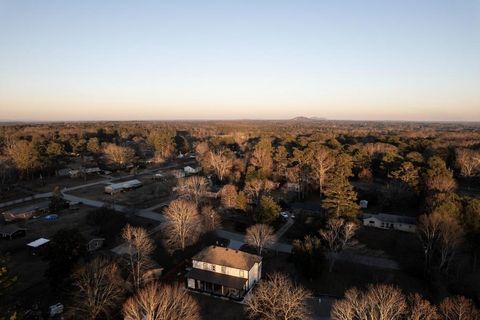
x: 210, y: 60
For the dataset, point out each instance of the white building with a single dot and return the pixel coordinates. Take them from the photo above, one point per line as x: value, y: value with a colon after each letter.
x: 363, y: 204
x: 122, y: 186
x: 191, y: 170
x: 390, y: 221
x: 224, y: 272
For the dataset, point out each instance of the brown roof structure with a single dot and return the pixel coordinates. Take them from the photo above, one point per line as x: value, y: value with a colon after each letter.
x: 228, y: 257
x: 9, y: 229
x: 217, y: 278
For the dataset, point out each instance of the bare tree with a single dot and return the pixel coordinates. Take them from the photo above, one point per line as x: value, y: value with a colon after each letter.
x: 451, y: 236
x: 210, y: 218
x: 195, y: 187
x: 183, y: 225
x: 278, y: 298
x: 119, y: 155
x: 321, y: 161
x: 468, y: 161
x: 220, y: 162
x: 140, y: 247
x: 229, y: 196
x: 379, y: 302
x: 338, y: 236
x: 260, y: 236
x: 428, y: 230
x: 155, y: 302
x: 98, y: 289
x: 256, y: 187
x: 458, y: 308
x: 421, y: 309
x: 440, y: 234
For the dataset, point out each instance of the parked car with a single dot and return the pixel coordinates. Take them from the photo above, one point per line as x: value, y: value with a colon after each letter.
x: 284, y: 215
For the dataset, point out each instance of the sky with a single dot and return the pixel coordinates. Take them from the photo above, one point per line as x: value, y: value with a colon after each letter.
x: 262, y: 59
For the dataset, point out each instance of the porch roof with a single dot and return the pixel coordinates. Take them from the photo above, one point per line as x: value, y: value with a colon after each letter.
x: 217, y: 278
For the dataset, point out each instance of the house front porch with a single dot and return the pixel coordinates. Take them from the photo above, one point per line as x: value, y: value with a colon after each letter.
x: 217, y: 284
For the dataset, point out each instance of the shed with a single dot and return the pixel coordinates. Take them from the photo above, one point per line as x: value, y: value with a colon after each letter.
x: 11, y: 232
x: 191, y: 170
x: 95, y: 244
x: 38, y: 243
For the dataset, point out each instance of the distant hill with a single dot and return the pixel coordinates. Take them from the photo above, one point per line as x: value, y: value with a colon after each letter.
x: 307, y: 119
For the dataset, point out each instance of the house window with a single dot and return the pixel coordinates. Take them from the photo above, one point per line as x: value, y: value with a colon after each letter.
x: 371, y: 222
x: 213, y: 267
x: 224, y: 269
x: 241, y: 273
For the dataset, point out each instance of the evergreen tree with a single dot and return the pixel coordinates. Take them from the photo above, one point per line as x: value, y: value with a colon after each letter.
x: 242, y: 203
x: 308, y: 256
x: 267, y: 210
x: 339, y: 194
x: 66, y: 248
x: 57, y: 203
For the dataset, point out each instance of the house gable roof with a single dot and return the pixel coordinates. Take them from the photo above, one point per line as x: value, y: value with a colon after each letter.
x: 227, y: 257
x: 217, y: 278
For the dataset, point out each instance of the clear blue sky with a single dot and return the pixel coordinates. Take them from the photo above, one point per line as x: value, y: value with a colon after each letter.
x: 120, y: 60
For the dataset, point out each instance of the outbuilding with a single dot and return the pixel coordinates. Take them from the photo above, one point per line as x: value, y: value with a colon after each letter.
x: 38, y: 246
x: 11, y: 232
x: 191, y: 170
x: 122, y: 186
x: 390, y: 222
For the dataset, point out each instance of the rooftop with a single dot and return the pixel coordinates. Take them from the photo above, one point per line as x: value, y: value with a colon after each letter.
x: 227, y: 257
x: 37, y: 243
x: 36, y: 206
x: 392, y: 218
x: 217, y: 278
x: 10, y: 229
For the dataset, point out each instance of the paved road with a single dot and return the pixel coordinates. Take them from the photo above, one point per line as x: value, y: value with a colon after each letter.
x: 107, y: 180
x: 284, y: 228
x: 98, y: 204
x: 320, y: 307
x: 239, y: 239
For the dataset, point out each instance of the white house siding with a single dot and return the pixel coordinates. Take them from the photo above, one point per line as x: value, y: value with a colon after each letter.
x: 374, y: 222
x: 254, y: 274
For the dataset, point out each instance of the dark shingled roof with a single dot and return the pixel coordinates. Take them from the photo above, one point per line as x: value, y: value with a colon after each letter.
x: 9, y: 229
x: 217, y: 278
x: 227, y: 257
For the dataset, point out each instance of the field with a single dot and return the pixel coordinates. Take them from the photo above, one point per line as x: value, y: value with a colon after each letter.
x: 151, y: 194
x: 32, y: 286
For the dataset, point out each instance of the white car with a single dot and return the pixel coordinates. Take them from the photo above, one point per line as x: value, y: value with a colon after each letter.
x: 284, y: 214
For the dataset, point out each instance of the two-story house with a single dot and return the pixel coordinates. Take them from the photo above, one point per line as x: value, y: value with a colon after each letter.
x: 224, y: 272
